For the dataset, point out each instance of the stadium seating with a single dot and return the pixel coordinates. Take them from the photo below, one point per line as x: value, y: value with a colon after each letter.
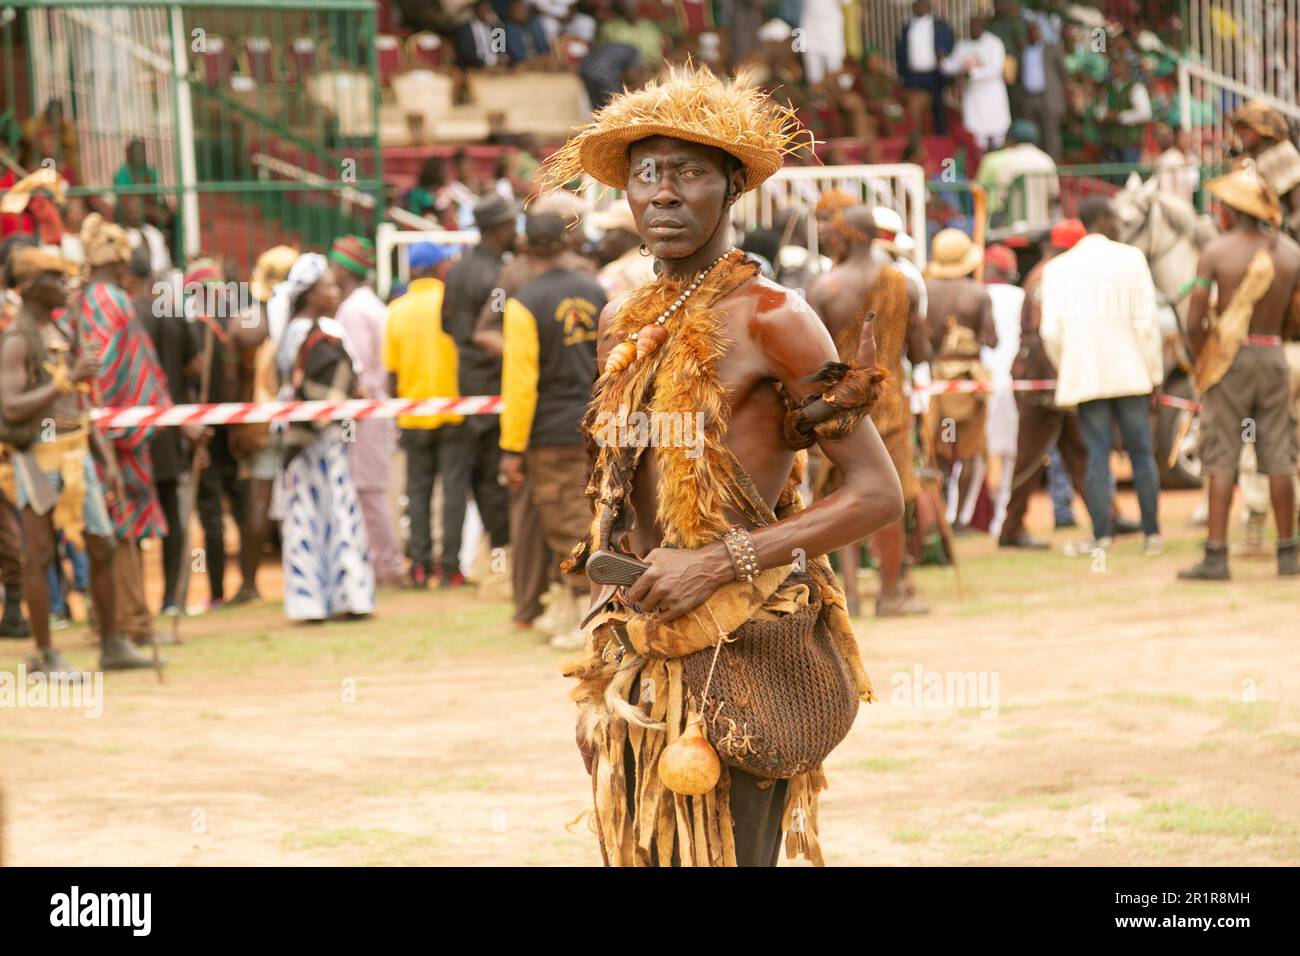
x: 426, y: 51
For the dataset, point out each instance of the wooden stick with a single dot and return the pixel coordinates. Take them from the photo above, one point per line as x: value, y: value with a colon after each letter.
x: 183, y: 582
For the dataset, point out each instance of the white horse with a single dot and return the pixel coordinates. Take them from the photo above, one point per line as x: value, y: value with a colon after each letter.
x: 1170, y: 233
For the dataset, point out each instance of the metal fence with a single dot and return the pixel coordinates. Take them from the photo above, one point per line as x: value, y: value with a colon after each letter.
x: 1255, y: 43
x: 258, y: 121
x: 1210, y: 100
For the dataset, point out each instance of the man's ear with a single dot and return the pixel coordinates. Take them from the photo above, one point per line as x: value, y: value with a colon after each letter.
x: 736, y: 187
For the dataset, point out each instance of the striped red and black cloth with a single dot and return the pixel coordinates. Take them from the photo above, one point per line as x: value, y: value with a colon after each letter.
x: 129, y: 374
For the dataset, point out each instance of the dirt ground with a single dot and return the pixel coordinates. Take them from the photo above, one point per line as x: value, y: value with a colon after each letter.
x: 1138, y: 720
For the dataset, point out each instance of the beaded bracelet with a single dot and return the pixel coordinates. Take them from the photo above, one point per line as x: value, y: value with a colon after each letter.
x: 740, y: 546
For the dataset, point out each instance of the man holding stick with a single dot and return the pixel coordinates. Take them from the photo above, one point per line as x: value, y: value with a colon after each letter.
x: 44, y: 372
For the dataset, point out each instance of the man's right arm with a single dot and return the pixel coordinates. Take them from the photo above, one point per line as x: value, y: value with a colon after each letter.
x: 20, y: 405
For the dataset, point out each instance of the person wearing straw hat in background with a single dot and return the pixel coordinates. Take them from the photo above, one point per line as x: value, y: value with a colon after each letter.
x: 45, y: 372
x: 129, y: 374
x: 1266, y: 141
x: 363, y: 317
x: 1241, y: 369
x: 960, y: 318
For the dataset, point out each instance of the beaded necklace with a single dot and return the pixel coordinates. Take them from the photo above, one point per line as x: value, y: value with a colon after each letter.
x: 650, y: 336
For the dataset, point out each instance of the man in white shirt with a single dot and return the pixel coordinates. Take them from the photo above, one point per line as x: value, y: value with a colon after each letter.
x: 1100, y: 330
x: 985, y: 106
x: 922, y: 43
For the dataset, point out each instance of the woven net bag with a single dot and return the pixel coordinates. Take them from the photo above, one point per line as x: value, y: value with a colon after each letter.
x: 782, y: 697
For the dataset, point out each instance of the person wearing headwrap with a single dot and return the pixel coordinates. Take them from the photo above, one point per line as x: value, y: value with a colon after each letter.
x: 129, y: 374
x: 327, y: 571
x: 256, y: 446
x: 363, y: 316
x: 711, y: 342
x: 1266, y: 141
x: 46, y: 371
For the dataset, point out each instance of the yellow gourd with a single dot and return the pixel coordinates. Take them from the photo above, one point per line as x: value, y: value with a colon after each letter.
x: 689, y: 766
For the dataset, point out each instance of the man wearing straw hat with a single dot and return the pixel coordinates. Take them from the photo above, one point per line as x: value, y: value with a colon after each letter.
x: 960, y: 316
x: 45, y: 373
x: 1241, y: 370
x: 725, y: 549
x: 1266, y: 142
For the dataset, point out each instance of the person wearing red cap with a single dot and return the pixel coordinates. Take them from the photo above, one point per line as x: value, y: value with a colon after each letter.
x: 1042, y: 423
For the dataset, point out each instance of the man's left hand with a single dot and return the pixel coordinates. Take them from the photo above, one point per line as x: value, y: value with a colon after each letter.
x: 679, y: 580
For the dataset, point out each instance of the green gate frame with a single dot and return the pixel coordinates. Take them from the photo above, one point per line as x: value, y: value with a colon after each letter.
x: 187, y: 90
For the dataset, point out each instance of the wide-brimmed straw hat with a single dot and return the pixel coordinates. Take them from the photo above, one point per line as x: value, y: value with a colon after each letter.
x: 1245, y: 190
x: 691, y: 104
x: 953, y: 255
x: 1262, y: 118
x: 272, y: 268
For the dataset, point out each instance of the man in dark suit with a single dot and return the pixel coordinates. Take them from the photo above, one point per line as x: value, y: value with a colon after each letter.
x: 922, y: 43
x: 1042, y: 87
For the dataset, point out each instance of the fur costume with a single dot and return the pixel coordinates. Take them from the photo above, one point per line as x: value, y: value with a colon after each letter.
x: 636, y: 696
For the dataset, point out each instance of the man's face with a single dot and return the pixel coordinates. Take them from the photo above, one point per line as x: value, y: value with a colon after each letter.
x: 135, y: 155
x: 976, y: 27
x: 921, y: 8
x: 1035, y: 33
x: 130, y: 212
x: 1250, y: 138
x: 49, y: 291
x: 678, y: 194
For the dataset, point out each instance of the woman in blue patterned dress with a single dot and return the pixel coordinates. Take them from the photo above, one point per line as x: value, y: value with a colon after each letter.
x: 327, y: 573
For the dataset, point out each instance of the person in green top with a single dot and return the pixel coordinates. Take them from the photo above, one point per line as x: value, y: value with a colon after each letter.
x: 1128, y: 110
x: 136, y: 171
x: 628, y: 26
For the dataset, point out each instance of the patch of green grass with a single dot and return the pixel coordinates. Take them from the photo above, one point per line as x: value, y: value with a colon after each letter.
x: 879, y: 764
x: 1025, y: 801
x: 373, y: 847
x: 1253, y: 716
x: 1027, y: 732
x: 907, y: 835
x: 1148, y: 780
x: 1285, y: 742
x: 405, y: 629
x: 1177, y: 701
x: 1022, y: 844
x: 1226, y: 820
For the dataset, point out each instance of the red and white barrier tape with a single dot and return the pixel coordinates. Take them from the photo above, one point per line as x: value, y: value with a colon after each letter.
x: 235, y: 413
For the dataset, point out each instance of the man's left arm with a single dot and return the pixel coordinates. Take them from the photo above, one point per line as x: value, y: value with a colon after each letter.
x: 796, y: 346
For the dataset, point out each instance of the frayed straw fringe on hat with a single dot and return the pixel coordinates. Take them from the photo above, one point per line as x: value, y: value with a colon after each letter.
x: 1244, y: 190
x: 690, y: 104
